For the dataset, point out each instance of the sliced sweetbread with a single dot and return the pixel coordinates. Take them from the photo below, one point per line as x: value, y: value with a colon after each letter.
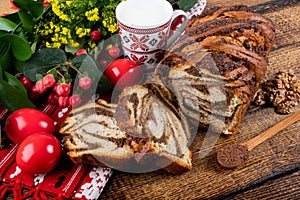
x: 91, y: 136
x: 150, y: 114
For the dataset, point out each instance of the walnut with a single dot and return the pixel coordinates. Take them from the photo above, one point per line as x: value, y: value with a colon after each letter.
x: 282, y: 92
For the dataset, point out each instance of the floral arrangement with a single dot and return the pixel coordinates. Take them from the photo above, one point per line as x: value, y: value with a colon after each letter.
x: 40, y: 48
x: 48, y: 46
x: 71, y: 22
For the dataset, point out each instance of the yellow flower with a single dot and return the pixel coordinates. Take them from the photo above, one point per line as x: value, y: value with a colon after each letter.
x: 92, y: 44
x: 81, y: 32
x: 65, y: 31
x: 68, y: 3
x: 71, y: 21
x: 56, y: 9
x: 51, y: 24
x: 92, y: 15
x: 53, y: 45
x: 74, y: 43
x: 110, y: 24
x: 57, y: 28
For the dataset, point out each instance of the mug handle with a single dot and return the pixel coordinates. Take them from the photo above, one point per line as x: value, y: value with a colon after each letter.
x: 176, y: 33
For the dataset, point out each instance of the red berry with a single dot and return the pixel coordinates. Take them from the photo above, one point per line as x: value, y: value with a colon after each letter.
x: 46, y: 3
x: 103, y: 62
x: 63, y: 89
x: 33, y: 94
x: 80, y: 51
x: 74, y: 100
x: 26, y: 83
x: 114, y: 51
x: 52, y: 98
x: 48, y: 81
x: 85, y: 82
x: 63, y: 101
x: 39, y: 87
x: 96, y: 35
x: 55, y: 86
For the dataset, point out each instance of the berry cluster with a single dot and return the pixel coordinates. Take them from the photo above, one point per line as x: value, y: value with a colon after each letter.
x: 56, y: 83
x: 112, y: 52
x: 57, y: 89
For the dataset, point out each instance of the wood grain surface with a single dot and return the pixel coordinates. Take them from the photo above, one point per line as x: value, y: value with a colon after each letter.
x: 272, y: 171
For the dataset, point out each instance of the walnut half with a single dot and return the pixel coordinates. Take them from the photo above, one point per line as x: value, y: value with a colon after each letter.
x: 282, y: 92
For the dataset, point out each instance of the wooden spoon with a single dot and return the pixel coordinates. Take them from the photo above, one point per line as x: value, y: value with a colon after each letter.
x: 234, y: 155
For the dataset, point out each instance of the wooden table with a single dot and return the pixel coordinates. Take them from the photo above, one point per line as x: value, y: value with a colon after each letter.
x: 273, y: 170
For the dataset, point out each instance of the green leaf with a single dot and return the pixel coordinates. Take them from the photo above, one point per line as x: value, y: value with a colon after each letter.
x: 14, y: 17
x: 19, y: 65
x: 186, y: 4
x: 34, y: 7
x: 70, y: 49
x: 103, y: 84
x: 1, y: 72
x: 14, y: 82
x: 27, y: 20
x: 7, y: 25
x: 38, y: 77
x: 12, y: 98
x: 20, y: 47
x: 43, y: 60
x: 2, y: 33
x: 5, y: 60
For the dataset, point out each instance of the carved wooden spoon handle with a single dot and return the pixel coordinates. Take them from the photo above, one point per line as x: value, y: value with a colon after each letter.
x: 251, y: 144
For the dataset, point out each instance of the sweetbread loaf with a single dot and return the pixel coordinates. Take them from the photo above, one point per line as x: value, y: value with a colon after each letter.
x: 215, y: 68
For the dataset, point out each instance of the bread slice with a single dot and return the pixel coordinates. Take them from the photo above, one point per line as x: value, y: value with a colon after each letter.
x: 91, y: 136
x: 150, y: 113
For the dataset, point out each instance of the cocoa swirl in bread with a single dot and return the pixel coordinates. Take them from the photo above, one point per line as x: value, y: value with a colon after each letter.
x: 214, y: 69
x: 91, y: 135
x: 151, y: 111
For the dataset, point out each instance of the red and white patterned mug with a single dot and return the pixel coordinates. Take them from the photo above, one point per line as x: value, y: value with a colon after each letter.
x: 144, y: 28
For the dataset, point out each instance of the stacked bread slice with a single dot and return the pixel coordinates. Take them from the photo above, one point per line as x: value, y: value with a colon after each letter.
x: 215, y: 67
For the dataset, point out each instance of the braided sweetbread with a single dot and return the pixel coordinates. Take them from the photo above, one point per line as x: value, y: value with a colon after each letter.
x: 215, y: 67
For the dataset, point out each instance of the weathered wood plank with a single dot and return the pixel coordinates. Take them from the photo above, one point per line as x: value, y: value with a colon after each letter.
x: 208, y: 180
x: 230, y: 3
x: 279, y: 187
x: 274, y: 5
x: 259, y: 6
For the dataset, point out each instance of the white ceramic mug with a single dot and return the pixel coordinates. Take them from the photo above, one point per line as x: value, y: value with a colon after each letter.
x: 144, y: 28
